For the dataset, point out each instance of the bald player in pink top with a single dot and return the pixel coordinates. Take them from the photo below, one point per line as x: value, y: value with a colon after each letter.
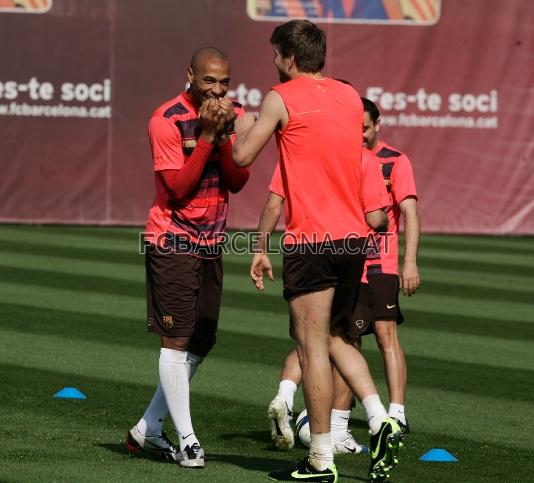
x: 318, y: 122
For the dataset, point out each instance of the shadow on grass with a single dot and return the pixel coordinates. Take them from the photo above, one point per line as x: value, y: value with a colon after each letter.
x: 257, y: 436
x: 255, y: 463
x: 121, y: 449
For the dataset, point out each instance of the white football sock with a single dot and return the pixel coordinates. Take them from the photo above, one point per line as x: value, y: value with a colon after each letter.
x: 286, y: 390
x: 321, y: 456
x: 189, y: 440
x: 193, y: 361
x: 397, y: 411
x: 173, y: 379
x: 376, y: 413
x: 151, y: 423
x: 339, y: 423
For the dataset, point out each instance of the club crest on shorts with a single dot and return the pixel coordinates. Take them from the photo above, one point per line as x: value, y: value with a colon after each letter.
x: 167, y: 321
x: 149, y: 322
x: 359, y: 324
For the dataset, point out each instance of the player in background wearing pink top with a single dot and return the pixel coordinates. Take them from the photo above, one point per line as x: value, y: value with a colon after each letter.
x: 318, y: 123
x: 380, y: 309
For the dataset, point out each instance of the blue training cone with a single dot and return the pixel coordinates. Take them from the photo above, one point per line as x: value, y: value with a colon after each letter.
x: 439, y: 455
x: 70, y: 393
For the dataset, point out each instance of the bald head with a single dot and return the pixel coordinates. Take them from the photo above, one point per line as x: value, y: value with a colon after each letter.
x: 208, y: 75
x: 207, y: 54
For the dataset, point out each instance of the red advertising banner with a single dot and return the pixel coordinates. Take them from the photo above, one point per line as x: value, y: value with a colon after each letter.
x: 79, y: 80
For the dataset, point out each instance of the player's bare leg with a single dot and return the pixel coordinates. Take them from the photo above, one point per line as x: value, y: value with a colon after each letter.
x: 394, y: 365
x: 342, y: 439
x: 354, y: 369
x: 310, y: 316
x: 386, y: 435
x: 291, y: 370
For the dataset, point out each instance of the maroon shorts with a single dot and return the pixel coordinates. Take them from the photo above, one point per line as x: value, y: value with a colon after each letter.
x: 310, y: 268
x: 378, y: 300
x: 183, y: 296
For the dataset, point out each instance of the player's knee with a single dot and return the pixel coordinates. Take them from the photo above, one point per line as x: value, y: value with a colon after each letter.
x: 386, y: 334
x: 201, y: 344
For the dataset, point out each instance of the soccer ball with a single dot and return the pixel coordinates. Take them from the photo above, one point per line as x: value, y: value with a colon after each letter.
x: 302, y: 426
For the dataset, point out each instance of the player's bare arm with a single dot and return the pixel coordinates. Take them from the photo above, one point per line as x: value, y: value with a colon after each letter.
x: 409, y: 276
x: 252, y: 135
x: 268, y: 221
x: 377, y: 220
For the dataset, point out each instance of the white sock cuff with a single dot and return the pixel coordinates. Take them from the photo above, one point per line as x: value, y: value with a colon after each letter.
x: 397, y: 411
x: 371, y: 400
x: 287, y: 385
x: 396, y: 407
x: 339, y: 416
x: 286, y: 390
x: 321, y: 438
x: 321, y: 454
x: 376, y: 413
x: 171, y: 355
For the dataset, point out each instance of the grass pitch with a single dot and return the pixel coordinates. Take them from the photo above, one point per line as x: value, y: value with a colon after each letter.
x: 73, y: 315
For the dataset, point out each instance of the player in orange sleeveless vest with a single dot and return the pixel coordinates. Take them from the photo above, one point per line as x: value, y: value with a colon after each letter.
x: 318, y: 123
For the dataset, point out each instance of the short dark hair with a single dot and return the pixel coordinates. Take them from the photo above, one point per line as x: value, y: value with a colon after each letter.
x: 370, y: 107
x: 304, y: 40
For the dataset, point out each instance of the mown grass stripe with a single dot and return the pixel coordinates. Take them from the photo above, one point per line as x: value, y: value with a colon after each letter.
x: 481, y: 326
x: 520, y: 245
x: 74, y: 301
x: 466, y: 307
x: 502, y: 259
x: 103, y: 253
x: 68, y: 240
x: 61, y: 266
x: 474, y: 278
x: 74, y: 232
x: 474, y: 292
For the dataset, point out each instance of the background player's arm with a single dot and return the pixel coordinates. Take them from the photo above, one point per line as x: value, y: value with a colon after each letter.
x: 252, y: 135
x: 268, y: 221
x: 409, y: 276
x: 377, y: 220
x: 374, y: 193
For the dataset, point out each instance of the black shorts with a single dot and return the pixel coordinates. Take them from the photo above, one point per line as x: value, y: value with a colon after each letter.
x: 183, y: 294
x: 378, y: 300
x: 314, y: 267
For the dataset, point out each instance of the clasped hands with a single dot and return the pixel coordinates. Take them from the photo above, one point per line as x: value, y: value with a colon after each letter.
x: 216, y: 116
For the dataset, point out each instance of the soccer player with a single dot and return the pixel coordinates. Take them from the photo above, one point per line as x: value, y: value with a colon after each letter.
x: 191, y: 143
x: 280, y: 408
x: 378, y: 305
x: 318, y: 122
x: 381, y: 276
